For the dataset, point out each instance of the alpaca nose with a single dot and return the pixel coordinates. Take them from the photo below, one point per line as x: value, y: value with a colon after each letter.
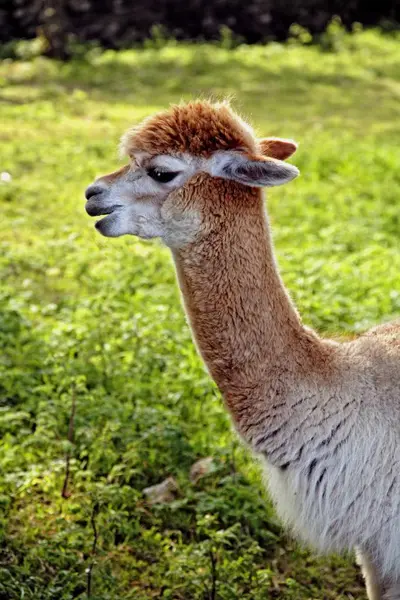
x: 93, y: 190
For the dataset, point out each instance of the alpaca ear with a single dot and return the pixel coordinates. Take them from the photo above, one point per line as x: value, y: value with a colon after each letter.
x: 252, y: 170
x: 277, y: 147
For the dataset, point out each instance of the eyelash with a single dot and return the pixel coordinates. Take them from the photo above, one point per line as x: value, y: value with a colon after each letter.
x: 161, y: 176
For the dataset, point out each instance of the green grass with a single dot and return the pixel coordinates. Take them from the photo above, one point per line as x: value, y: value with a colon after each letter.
x: 99, y: 323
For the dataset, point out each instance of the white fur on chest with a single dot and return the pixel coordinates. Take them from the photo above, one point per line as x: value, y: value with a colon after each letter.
x: 356, y: 502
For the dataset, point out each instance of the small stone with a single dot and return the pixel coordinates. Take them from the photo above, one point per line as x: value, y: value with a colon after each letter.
x: 162, y: 493
x: 201, y: 467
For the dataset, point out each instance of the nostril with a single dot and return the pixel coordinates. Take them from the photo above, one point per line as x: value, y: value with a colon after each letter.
x: 93, y: 190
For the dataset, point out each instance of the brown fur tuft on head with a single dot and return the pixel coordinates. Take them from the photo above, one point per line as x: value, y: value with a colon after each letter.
x: 198, y: 128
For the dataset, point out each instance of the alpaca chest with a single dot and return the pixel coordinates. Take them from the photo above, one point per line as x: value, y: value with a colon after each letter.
x: 299, y: 511
x: 330, y: 501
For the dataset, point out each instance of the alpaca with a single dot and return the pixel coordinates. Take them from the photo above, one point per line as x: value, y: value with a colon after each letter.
x: 323, y: 416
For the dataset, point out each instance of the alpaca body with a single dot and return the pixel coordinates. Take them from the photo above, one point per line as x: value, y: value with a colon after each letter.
x: 333, y: 468
x: 324, y: 417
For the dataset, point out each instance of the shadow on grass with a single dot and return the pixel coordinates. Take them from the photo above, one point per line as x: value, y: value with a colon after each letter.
x: 299, y: 90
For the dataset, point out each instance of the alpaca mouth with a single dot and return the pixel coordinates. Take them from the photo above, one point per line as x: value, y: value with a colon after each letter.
x: 96, y: 210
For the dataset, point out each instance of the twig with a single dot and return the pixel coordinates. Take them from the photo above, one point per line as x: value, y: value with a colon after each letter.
x: 65, y: 493
x: 213, y: 590
x: 233, y: 458
x: 89, y: 570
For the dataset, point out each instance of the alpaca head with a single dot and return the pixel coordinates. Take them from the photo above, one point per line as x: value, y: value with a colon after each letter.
x: 187, y: 168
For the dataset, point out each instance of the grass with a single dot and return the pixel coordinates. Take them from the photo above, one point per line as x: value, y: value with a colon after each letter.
x: 97, y: 324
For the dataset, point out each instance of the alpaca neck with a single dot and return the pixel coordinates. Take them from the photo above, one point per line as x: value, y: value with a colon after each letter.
x: 244, y: 322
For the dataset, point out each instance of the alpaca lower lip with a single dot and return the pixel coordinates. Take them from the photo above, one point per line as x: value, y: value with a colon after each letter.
x: 107, y: 226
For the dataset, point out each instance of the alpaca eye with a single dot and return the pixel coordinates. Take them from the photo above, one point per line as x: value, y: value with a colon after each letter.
x: 162, y: 176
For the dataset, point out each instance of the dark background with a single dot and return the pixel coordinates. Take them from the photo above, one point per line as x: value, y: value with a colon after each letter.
x: 121, y: 23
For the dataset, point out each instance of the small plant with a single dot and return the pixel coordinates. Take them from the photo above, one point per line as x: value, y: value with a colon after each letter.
x: 299, y: 36
x: 228, y: 39
x: 24, y: 49
x: 335, y: 36
x: 158, y: 38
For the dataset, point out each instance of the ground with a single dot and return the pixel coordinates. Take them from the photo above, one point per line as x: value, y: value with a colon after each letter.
x: 98, y: 374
